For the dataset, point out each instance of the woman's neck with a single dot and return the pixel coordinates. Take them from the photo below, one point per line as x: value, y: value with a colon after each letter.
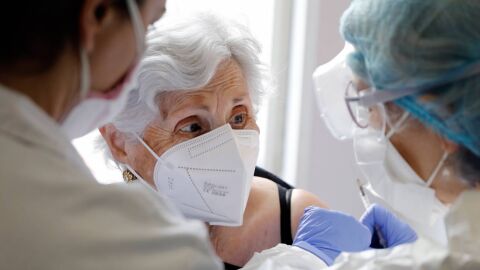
x: 52, y: 90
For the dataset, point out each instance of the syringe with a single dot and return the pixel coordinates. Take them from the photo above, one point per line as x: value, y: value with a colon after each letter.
x: 378, y: 241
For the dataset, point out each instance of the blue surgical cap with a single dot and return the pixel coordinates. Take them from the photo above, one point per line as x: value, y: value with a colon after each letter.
x: 402, y: 44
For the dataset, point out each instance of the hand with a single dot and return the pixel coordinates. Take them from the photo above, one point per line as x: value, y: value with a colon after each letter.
x: 326, y: 233
x: 394, y: 231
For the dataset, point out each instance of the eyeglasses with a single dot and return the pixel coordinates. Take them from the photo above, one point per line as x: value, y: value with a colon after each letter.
x: 357, y: 111
x: 365, y: 110
x: 365, y: 107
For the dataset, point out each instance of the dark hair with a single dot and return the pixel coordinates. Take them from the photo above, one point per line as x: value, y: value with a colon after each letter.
x: 34, y: 32
x: 468, y: 166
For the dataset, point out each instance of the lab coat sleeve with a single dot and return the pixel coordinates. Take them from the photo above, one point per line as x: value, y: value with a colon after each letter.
x: 59, y: 218
x: 55, y: 216
x: 139, y: 229
x: 462, y: 252
x: 129, y: 227
x: 423, y: 254
x: 284, y: 257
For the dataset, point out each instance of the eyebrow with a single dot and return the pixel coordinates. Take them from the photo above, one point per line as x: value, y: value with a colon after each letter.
x: 194, y: 107
x: 239, y: 99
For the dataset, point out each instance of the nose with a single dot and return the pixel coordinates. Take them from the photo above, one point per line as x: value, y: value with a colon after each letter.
x: 219, y: 121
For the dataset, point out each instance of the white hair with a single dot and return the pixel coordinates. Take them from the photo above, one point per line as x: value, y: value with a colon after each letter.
x: 184, y: 54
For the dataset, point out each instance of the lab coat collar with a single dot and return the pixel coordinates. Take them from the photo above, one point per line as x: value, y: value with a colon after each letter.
x: 23, y: 120
x: 463, y: 224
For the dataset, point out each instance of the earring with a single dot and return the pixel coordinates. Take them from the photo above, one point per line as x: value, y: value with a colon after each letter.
x: 128, y: 176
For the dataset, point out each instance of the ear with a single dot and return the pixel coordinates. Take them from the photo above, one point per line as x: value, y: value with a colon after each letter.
x: 93, y: 16
x: 115, y: 141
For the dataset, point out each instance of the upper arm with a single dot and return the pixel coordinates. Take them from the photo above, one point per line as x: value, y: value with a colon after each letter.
x: 302, y: 199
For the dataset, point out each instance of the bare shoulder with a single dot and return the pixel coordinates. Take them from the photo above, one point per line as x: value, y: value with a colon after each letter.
x: 262, y: 190
x: 263, y: 184
x: 264, y: 195
x: 302, y: 199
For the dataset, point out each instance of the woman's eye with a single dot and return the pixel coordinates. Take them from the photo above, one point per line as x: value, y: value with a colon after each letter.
x: 238, y: 120
x: 192, y: 128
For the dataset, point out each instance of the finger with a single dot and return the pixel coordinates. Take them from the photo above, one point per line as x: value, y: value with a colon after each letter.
x: 368, y: 218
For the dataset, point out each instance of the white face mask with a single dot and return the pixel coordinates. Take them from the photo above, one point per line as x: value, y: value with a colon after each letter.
x: 209, y: 177
x: 392, y: 179
x: 96, y: 110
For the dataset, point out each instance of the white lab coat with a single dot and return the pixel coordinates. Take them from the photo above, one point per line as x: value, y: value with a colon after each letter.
x: 463, y: 251
x: 54, y: 215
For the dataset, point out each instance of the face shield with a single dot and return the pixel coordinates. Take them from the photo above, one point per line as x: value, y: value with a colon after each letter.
x: 346, y: 109
x: 331, y: 80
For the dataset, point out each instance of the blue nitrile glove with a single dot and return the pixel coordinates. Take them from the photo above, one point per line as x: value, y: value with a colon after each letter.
x: 326, y: 233
x: 394, y: 231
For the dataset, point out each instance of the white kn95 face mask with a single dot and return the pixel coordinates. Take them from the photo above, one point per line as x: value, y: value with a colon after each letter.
x: 209, y: 177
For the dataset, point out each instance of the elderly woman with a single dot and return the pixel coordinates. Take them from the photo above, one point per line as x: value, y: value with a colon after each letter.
x: 189, y: 131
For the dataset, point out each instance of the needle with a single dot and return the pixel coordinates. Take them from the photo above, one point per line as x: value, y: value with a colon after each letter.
x: 378, y: 241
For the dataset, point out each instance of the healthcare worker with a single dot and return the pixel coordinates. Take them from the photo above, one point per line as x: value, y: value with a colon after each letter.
x: 408, y: 93
x: 63, y: 69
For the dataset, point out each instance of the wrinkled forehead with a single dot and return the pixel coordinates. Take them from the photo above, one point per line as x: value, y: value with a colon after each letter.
x: 227, y: 86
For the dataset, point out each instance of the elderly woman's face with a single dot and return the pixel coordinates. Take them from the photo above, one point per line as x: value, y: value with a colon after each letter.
x: 184, y: 115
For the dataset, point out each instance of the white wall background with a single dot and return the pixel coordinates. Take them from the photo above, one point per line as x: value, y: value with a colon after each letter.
x: 308, y: 156
x: 326, y: 166
x: 334, y: 178
x: 297, y: 36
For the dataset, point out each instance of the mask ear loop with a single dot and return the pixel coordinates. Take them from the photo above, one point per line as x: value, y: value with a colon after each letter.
x: 84, y: 73
x: 146, y: 146
x: 158, y: 158
x: 137, y: 25
x: 397, y: 125
x: 130, y: 169
x: 445, y: 155
x: 145, y: 183
x: 437, y: 169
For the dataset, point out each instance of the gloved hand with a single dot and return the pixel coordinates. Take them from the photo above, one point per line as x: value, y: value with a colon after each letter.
x: 326, y: 233
x: 394, y: 231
